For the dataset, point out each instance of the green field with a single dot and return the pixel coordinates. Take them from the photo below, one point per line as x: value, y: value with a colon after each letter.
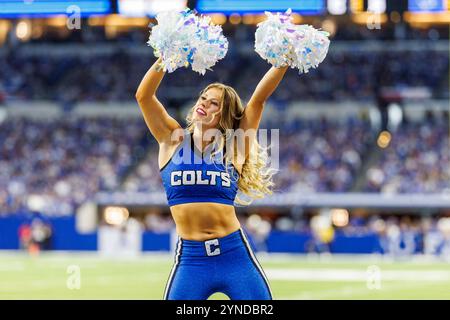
x: 51, y: 276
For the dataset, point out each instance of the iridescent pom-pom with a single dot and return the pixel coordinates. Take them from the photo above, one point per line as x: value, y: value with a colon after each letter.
x: 283, y: 43
x: 183, y: 39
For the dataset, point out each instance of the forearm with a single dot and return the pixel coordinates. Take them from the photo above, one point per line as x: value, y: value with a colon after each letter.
x: 151, y: 81
x: 268, y: 84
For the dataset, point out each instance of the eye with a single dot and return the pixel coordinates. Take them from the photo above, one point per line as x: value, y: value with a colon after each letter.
x: 202, y: 98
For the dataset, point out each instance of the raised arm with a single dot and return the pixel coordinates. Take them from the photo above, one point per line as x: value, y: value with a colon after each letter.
x: 253, y: 112
x: 158, y: 120
x: 264, y: 89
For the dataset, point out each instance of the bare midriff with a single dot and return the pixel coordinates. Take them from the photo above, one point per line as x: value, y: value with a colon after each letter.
x: 202, y: 221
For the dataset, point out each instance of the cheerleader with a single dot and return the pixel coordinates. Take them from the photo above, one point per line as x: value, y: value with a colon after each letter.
x: 203, y: 172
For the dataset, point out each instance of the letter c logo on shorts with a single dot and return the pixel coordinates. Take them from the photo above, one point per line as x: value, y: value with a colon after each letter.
x: 212, y: 247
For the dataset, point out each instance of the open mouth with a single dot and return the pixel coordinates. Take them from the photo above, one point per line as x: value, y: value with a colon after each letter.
x: 201, y: 111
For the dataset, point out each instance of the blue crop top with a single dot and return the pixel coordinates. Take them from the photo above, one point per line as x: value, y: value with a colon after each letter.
x: 192, y: 176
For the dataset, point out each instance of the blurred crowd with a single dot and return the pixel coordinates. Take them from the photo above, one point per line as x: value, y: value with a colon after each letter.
x: 417, y: 160
x: 321, y: 156
x: 56, y: 165
x: 246, y: 33
x: 113, y: 75
x: 394, y: 235
x: 53, y: 166
x: 344, y: 75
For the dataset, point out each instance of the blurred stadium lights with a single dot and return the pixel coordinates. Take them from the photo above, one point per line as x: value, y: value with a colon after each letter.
x: 373, y: 6
x: 96, y: 21
x: 418, y: 19
x: 296, y: 18
x: 142, y: 8
x: 116, y: 215
x: 337, y: 7
x: 384, y: 139
x: 57, y: 21
x: 219, y: 18
x: 444, y: 225
x: 248, y: 18
x: 23, y: 30
x: 115, y: 23
x: 330, y: 26
x: 36, y: 202
x: 255, y: 18
x: 5, y: 26
x: 120, y: 21
x: 369, y: 12
x: 123, y: 14
x: 366, y: 17
x: 356, y: 5
x: 235, y: 18
x: 376, y: 6
x: 395, y: 116
x: 339, y: 217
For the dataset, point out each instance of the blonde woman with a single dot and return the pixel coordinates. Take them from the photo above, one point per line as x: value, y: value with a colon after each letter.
x: 202, y: 176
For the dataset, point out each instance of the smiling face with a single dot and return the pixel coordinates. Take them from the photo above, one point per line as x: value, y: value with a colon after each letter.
x: 218, y: 107
x: 207, y: 109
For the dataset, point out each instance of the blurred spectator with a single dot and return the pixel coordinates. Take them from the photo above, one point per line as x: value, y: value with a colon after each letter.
x: 259, y: 229
x: 35, y: 236
x: 25, y: 238
x: 41, y: 234
x: 322, y: 234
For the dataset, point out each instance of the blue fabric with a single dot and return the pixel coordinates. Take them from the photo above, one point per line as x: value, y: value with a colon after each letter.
x: 233, y: 271
x: 192, y: 176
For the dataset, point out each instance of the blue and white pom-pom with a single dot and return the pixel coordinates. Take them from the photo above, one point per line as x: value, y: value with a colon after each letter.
x: 283, y: 43
x: 183, y: 39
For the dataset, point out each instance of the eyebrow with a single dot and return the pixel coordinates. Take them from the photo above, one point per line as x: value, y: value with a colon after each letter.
x: 203, y: 95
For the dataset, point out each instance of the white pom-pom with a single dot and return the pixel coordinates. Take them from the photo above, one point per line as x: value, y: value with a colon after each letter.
x: 283, y: 43
x: 183, y: 39
x: 210, y: 45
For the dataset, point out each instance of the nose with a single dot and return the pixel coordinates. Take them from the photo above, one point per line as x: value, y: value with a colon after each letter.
x: 205, y: 104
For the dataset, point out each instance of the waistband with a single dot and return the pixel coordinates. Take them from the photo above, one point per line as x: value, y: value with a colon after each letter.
x: 212, y: 247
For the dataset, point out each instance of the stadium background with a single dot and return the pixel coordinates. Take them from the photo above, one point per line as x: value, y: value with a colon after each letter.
x: 362, y: 206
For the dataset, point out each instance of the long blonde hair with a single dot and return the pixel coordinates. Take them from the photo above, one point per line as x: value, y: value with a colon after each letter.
x: 255, y: 180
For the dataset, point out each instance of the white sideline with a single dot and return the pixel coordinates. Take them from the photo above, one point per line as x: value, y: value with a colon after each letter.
x: 356, y: 275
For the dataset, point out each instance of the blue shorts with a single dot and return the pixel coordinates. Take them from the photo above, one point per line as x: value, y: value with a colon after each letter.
x: 227, y: 265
